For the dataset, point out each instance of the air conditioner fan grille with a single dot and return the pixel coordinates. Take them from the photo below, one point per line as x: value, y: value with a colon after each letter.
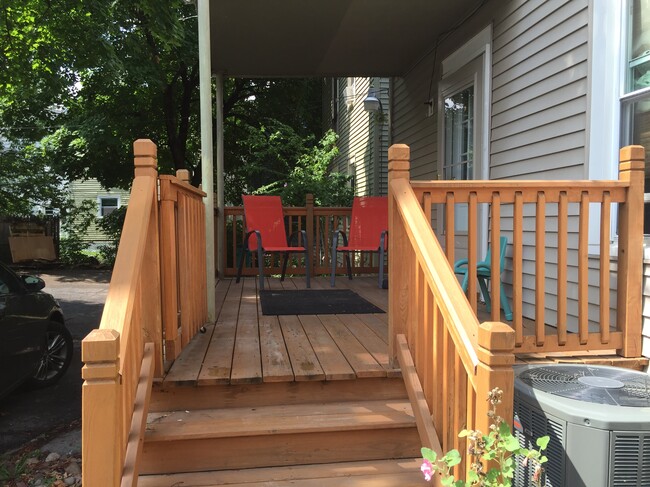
x: 617, y: 387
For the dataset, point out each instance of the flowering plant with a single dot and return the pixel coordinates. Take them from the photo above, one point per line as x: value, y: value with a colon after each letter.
x: 497, y: 449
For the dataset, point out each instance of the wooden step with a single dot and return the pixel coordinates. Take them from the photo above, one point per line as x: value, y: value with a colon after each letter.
x: 215, y: 439
x: 382, y: 473
x: 166, y: 397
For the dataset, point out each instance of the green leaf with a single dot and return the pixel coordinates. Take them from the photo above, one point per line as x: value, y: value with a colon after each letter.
x: 542, y: 442
x: 447, y: 480
x: 429, y: 454
x: 452, y: 458
x: 464, y: 433
x: 511, y: 444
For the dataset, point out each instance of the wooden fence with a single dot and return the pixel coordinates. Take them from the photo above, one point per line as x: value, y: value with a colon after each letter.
x: 318, y: 222
x: 540, y: 221
x: 159, y: 269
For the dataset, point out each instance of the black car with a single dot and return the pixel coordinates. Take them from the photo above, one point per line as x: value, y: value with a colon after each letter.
x: 35, y: 346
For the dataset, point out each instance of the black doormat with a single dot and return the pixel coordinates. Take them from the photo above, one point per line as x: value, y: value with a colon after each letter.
x: 315, y: 302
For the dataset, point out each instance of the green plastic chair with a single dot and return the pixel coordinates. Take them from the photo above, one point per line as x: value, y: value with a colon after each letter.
x: 484, y: 274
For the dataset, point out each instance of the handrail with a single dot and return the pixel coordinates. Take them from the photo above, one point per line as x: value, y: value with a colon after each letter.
x: 113, y: 354
x: 151, y: 313
x: 454, y: 356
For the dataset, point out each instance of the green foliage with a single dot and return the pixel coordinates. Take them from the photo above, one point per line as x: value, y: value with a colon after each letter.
x: 74, y: 225
x: 310, y: 175
x: 82, y: 79
x: 497, y: 449
x: 112, y: 225
x: 14, y: 472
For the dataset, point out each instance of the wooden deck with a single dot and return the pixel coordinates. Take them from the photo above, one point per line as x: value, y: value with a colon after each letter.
x: 247, y: 347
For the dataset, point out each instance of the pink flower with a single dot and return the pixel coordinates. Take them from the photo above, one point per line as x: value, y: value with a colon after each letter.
x: 537, y: 473
x: 427, y: 469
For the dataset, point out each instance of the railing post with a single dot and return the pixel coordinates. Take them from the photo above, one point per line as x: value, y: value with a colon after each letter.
x: 102, y: 423
x: 496, y: 343
x: 309, y: 205
x: 630, y: 250
x: 145, y: 161
x: 398, y: 273
x: 169, y: 271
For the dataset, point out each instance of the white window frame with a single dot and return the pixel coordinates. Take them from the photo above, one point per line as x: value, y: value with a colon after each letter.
x: 101, y: 198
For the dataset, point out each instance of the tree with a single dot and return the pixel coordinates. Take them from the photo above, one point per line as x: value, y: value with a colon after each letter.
x: 84, y: 78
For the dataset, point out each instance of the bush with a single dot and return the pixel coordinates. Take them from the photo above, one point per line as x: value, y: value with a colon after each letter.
x: 73, y: 248
x: 112, y: 225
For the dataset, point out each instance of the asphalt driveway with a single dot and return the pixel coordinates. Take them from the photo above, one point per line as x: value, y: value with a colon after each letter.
x: 27, y: 415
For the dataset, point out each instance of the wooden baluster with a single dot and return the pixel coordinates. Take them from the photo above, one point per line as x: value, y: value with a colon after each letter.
x: 630, y: 250
x: 437, y: 403
x: 540, y: 268
x: 448, y: 391
x: 495, y: 264
x: 517, y: 267
x: 472, y: 249
x: 450, y: 234
x: 309, y: 228
x: 398, y: 273
x: 605, y: 221
x: 562, y: 244
x: 103, y: 442
x: 583, y: 270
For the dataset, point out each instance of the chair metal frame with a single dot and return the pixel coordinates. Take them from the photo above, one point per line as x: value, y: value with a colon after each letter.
x: 368, y: 232
x: 484, y: 273
x: 265, y: 212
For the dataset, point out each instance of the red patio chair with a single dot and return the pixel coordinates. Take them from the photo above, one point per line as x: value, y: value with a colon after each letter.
x: 368, y: 232
x: 265, y: 233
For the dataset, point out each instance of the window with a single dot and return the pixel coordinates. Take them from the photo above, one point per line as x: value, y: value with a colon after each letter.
x: 107, y: 204
x: 635, y: 102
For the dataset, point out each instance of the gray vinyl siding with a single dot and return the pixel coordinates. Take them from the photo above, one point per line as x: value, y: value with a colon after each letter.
x: 357, y: 135
x: 539, y: 127
x: 90, y: 189
x: 538, y: 119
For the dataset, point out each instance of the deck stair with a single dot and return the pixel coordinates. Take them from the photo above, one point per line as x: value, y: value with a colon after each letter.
x: 318, y: 436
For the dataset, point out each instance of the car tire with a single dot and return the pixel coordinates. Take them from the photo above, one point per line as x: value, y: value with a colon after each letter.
x: 57, y: 356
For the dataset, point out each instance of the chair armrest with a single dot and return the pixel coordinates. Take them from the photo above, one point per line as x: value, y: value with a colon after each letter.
x: 335, y: 238
x: 303, y: 233
x: 259, y: 239
x: 459, y: 264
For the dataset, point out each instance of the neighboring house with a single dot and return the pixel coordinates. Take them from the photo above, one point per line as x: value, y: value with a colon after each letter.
x: 106, y: 201
x: 518, y: 90
x: 363, y: 134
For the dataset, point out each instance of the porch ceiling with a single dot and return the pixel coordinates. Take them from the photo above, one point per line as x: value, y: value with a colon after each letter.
x: 303, y: 38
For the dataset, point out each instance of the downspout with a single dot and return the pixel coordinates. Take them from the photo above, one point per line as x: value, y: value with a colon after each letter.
x: 205, y: 87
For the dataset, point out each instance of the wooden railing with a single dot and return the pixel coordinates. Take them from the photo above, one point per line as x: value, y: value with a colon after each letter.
x: 182, y: 225
x: 126, y: 352
x: 318, y: 222
x: 561, y: 285
x: 449, y: 360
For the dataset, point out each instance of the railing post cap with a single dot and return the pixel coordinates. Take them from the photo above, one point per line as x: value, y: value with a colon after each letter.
x: 100, y: 345
x: 632, y: 153
x: 399, y: 152
x: 144, y: 148
x: 183, y: 175
x: 496, y: 336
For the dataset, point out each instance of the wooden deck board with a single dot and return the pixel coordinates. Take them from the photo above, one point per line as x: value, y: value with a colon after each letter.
x: 303, y: 358
x: 246, y: 358
x: 332, y: 360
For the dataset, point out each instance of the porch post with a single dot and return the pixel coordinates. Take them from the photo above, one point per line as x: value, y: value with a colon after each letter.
x: 205, y: 83
x: 220, y: 254
x: 630, y: 251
